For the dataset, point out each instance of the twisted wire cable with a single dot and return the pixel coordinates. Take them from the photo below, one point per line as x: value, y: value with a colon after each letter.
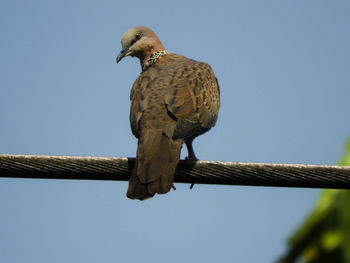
x: 200, y: 172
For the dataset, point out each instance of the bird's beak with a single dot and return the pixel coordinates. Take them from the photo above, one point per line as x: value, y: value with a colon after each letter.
x: 124, y: 53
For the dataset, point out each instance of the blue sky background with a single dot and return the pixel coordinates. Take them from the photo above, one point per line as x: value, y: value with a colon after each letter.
x: 283, y: 68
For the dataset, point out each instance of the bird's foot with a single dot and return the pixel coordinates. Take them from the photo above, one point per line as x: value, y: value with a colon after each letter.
x: 173, y: 186
x: 190, y: 160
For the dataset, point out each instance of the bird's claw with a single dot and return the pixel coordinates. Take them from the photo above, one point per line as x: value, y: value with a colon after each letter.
x: 190, y: 160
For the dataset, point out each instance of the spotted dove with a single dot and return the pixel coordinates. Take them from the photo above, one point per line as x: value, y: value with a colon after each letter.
x: 174, y: 100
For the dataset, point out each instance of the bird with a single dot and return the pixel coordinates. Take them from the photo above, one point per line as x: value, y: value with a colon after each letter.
x: 173, y: 100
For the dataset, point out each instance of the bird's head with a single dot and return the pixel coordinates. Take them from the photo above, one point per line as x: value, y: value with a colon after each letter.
x: 139, y: 42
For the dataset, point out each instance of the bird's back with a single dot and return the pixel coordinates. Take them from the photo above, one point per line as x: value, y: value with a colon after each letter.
x: 179, y: 91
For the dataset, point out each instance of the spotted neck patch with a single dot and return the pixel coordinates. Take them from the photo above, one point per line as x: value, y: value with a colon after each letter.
x: 154, y: 57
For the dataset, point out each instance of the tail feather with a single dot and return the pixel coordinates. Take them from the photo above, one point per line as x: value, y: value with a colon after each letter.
x: 154, y: 169
x: 136, y: 189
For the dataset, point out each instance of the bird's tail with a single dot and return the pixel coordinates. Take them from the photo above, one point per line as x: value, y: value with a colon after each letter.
x: 155, y: 165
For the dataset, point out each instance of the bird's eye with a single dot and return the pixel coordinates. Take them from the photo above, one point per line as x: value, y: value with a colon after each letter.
x: 138, y: 36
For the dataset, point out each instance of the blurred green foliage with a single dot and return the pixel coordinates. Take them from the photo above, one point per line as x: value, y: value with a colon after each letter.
x: 325, y: 234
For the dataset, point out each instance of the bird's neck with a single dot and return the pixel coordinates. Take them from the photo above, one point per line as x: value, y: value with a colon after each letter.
x: 151, y: 59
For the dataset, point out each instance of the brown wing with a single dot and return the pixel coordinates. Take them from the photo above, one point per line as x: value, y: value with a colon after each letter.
x: 139, y: 102
x: 157, y: 152
x: 193, y: 98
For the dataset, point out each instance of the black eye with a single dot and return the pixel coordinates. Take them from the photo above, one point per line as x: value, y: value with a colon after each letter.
x: 138, y: 36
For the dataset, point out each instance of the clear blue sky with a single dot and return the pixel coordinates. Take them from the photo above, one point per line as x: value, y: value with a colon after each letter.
x: 284, y: 72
